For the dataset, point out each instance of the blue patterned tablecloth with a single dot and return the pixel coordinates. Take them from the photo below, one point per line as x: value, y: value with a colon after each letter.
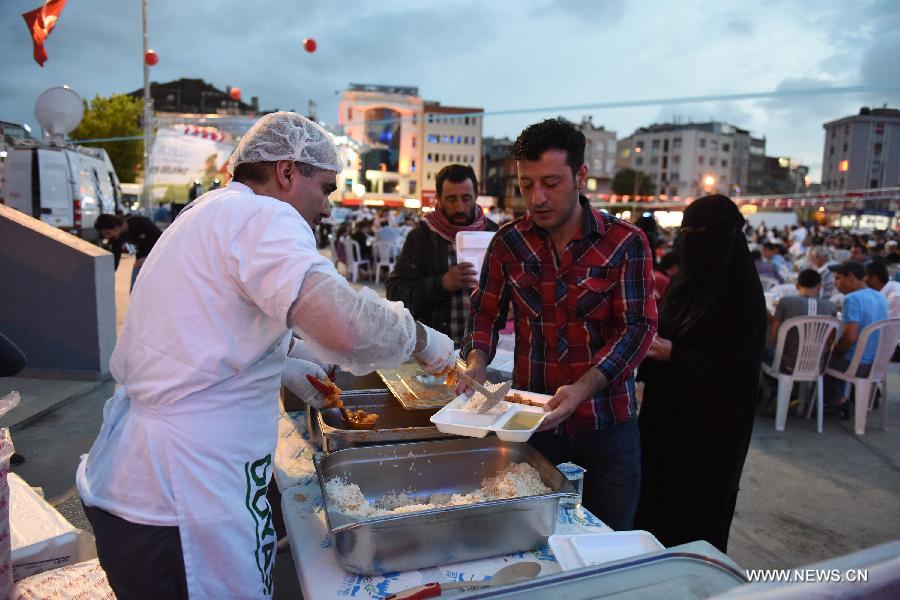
x: 318, y: 571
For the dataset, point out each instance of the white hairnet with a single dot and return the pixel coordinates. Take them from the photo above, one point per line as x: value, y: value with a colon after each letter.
x: 360, y: 331
x: 287, y: 136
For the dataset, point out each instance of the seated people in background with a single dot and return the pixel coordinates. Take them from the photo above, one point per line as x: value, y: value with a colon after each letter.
x: 892, y: 252
x: 862, y: 307
x: 859, y: 253
x: 805, y: 303
x: 139, y: 231
x: 361, y: 235
x: 765, y: 267
x: 878, y: 279
x: 820, y: 260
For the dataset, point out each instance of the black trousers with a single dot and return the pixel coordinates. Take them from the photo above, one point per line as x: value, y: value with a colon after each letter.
x: 141, y: 561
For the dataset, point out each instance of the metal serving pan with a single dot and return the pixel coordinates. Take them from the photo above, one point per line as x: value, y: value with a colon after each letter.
x: 445, y: 535
x: 395, y: 424
x: 416, y: 389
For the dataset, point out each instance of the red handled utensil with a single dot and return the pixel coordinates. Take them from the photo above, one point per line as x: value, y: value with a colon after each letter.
x: 509, y: 574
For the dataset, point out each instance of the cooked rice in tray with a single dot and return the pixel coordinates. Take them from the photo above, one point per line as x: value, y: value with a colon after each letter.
x: 516, y: 480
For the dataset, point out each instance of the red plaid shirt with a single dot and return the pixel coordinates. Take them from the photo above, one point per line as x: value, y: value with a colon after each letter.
x: 591, y: 307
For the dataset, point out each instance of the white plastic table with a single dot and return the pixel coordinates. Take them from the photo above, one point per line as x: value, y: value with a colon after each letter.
x: 317, y: 568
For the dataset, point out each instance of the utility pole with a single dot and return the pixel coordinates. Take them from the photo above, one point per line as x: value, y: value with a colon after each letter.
x: 148, y: 114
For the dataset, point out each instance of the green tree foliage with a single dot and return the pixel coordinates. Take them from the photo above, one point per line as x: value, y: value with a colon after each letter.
x: 116, y: 116
x: 623, y: 183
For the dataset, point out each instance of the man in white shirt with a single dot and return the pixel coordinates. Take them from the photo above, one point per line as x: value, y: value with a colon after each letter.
x: 878, y: 279
x: 175, y: 484
x: 820, y: 260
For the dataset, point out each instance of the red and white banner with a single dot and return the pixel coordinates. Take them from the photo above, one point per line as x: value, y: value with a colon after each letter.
x: 179, y: 156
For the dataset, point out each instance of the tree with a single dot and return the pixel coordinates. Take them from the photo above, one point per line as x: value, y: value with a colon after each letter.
x: 623, y: 183
x: 116, y: 116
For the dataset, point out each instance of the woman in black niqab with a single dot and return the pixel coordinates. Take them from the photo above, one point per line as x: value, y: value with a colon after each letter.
x: 701, y: 378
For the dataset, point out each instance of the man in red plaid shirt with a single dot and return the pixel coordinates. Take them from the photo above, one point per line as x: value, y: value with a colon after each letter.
x: 581, y: 285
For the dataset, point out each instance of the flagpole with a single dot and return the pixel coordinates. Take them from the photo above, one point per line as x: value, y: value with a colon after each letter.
x: 148, y: 114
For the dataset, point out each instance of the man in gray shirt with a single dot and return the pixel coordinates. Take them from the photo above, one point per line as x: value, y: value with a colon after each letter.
x: 806, y: 303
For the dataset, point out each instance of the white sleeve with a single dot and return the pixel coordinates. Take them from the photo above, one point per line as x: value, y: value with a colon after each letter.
x: 270, y: 257
x: 359, y: 331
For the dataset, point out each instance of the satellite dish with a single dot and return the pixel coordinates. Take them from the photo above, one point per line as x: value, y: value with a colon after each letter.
x: 59, y: 111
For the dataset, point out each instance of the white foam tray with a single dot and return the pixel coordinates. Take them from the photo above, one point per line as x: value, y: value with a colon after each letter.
x: 584, y: 549
x: 453, y: 420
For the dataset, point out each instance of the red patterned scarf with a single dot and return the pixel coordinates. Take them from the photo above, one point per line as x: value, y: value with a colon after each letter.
x: 438, y: 223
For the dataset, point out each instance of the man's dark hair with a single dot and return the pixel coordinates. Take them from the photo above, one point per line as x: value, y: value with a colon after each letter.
x: 808, y: 278
x: 756, y: 255
x: 861, y: 246
x: 455, y: 173
x: 260, y: 172
x: 878, y: 270
x: 105, y: 222
x: 557, y: 134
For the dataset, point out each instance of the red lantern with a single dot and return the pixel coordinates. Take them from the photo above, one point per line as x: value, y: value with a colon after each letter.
x: 309, y: 45
x: 235, y: 93
x: 151, y: 57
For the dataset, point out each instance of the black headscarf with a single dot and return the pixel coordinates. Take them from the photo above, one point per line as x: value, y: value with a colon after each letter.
x: 715, y: 264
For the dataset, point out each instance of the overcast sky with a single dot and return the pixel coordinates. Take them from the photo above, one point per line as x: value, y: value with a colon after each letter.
x: 495, y: 55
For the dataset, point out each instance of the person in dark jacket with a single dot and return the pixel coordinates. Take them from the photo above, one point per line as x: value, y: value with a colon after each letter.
x: 427, y: 278
x: 136, y: 230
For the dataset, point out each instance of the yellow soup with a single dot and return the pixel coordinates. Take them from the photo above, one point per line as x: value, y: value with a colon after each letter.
x: 523, y: 420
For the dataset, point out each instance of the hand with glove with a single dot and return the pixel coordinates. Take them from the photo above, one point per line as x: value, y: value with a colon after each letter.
x: 300, y: 350
x: 294, y: 377
x: 434, y: 351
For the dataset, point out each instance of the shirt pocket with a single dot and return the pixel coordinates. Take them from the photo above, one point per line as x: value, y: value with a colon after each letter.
x: 525, y: 284
x: 595, y: 288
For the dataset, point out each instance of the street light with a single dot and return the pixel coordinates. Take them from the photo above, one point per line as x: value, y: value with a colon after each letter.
x: 708, y: 182
x: 637, y: 150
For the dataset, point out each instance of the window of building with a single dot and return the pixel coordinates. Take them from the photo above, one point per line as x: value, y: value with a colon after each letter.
x: 713, y: 144
x: 665, y: 145
x: 700, y: 160
x: 466, y: 121
x: 415, y: 118
x: 877, y: 148
x: 831, y: 151
x: 724, y: 163
x: 433, y: 138
x: 412, y: 186
x: 654, y: 144
x: 662, y: 176
x: 703, y: 142
x: 676, y: 142
x: 428, y: 175
x: 879, y: 128
x: 349, y: 114
x: 673, y: 191
x: 430, y: 118
x: 676, y: 159
x: 412, y: 165
x: 665, y: 163
x: 654, y: 160
x: 873, y: 183
x: 845, y: 146
x: 428, y: 157
x: 413, y: 141
x: 639, y: 160
x: 726, y: 147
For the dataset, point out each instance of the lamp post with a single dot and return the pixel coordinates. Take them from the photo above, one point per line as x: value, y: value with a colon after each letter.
x: 148, y: 112
x: 637, y: 151
x: 708, y: 182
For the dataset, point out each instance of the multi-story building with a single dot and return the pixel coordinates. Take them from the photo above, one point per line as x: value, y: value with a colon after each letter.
x: 406, y: 140
x: 693, y: 159
x: 500, y: 178
x: 599, y: 155
x: 862, y: 151
x: 784, y: 176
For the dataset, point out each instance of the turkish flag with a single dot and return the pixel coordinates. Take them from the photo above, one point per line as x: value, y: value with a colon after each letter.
x: 40, y: 22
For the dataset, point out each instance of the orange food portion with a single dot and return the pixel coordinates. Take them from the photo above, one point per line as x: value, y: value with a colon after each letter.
x: 360, y: 419
x: 516, y: 398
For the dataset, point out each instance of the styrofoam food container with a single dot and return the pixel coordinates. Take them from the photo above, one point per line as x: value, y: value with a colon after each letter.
x: 452, y: 419
x: 584, y: 549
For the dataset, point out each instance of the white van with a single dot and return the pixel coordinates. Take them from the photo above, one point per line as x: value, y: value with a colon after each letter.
x: 65, y: 186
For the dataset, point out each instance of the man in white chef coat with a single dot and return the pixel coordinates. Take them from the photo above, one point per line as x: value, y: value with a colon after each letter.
x: 175, y: 484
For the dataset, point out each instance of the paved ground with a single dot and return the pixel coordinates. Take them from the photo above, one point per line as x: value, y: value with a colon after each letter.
x: 804, y: 497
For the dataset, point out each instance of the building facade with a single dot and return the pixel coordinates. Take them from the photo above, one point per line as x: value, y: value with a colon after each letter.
x: 862, y: 151
x: 694, y: 159
x: 405, y: 140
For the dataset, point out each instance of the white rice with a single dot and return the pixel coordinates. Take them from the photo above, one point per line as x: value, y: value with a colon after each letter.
x: 516, y: 480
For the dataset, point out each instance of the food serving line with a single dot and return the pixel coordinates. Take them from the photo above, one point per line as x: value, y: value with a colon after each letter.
x: 339, y: 556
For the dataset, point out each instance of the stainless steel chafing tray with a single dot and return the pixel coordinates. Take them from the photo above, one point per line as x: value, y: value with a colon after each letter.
x: 439, y: 536
x: 395, y: 424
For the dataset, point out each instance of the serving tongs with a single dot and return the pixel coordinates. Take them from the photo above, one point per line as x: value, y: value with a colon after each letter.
x: 493, y: 398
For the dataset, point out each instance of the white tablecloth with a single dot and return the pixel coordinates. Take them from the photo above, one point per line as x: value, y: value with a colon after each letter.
x: 317, y: 568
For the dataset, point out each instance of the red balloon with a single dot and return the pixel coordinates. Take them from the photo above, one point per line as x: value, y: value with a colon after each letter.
x: 309, y: 45
x: 151, y: 57
x: 235, y: 93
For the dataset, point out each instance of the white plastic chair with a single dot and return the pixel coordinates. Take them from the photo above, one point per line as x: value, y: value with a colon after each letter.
x: 385, y: 258
x: 783, y: 289
x: 889, y: 333
x: 767, y: 282
x: 815, y: 335
x: 354, y: 258
x: 334, y: 254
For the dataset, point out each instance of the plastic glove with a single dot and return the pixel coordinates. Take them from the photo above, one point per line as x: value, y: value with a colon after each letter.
x: 302, y: 351
x: 293, y: 377
x: 436, y: 356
